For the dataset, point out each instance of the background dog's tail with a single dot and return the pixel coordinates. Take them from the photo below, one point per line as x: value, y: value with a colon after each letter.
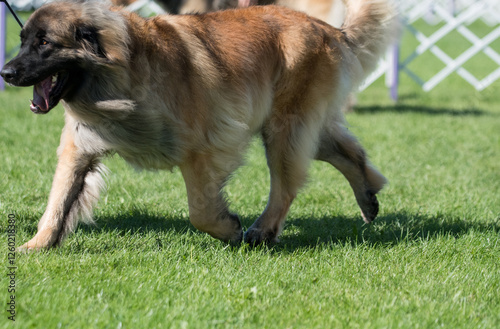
x: 370, y: 27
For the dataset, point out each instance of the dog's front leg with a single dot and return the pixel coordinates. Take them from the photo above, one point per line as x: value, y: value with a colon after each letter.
x: 208, y: 211
x: 75, y: 189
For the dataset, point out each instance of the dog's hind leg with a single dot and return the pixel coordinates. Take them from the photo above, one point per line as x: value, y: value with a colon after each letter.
x: 75, y: 189
x: 339, y: 148
x: 208, y: 210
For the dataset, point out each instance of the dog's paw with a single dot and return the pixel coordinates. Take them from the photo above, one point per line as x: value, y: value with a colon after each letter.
x: 369, y: 207
x: 30, y: 247
x: 255, y: 237
x: 236, y: 240
x: 41, y: 241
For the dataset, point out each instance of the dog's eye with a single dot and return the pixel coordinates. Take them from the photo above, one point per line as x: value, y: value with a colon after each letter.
x: 43, y: 42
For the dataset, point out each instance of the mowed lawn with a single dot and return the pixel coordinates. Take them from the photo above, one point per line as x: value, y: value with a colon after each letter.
x: 430, y: 260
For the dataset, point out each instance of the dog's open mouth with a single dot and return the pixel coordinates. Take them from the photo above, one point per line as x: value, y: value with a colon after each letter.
x: 48, y: 92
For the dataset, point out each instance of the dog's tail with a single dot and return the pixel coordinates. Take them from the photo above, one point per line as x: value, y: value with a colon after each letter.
x: 370, y: 27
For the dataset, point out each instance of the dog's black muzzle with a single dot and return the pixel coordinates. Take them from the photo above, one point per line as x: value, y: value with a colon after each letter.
x: 9, y: 74
x: 14, y: 73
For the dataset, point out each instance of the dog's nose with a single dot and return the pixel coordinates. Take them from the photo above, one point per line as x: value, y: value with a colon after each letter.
x: 8, y: 73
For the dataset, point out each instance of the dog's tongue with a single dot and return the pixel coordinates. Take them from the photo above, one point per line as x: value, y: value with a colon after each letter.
x: 41, y: 94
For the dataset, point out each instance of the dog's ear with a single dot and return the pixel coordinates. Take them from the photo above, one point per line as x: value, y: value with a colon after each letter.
x: 89, y: 37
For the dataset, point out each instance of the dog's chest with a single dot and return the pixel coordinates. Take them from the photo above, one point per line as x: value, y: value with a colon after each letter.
x: 143, y: 146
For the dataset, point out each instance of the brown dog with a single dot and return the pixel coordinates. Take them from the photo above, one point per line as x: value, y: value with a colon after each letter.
x: 190, y: 91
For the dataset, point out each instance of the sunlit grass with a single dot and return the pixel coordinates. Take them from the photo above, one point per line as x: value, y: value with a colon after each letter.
x: 430, y: 259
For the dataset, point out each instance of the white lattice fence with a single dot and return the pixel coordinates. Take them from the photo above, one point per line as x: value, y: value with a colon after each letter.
x: 453, y: 16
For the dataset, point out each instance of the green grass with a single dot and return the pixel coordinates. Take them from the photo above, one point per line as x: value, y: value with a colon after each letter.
x: 430, y: 260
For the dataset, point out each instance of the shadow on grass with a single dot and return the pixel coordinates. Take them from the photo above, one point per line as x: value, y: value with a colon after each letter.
x: 139, y: 221
x: 387, y: 230
x: 401, y: 108
x: 299, y: 233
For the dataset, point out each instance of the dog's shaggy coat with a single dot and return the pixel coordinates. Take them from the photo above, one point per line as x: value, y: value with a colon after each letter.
x: 191, y: 91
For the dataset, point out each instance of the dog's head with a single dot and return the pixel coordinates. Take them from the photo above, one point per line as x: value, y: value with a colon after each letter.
x: 63, y: 43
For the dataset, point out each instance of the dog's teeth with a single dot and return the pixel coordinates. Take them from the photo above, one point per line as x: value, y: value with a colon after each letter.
x: 54, y: 80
